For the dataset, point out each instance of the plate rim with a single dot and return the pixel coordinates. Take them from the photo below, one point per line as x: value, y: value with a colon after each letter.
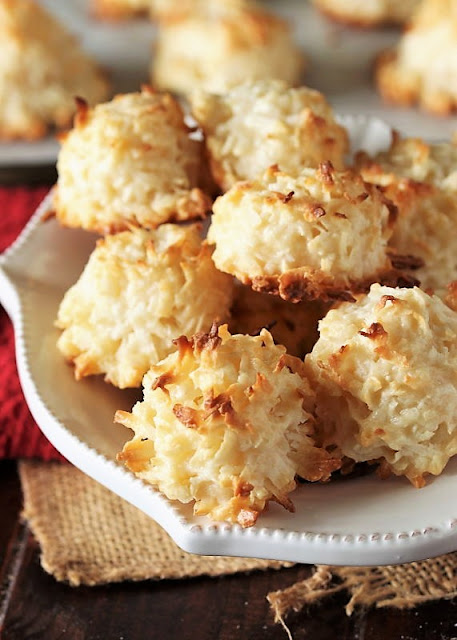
x: 210, y: 538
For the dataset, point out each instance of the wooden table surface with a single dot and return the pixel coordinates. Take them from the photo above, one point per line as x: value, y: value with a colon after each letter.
x: 34, y: 606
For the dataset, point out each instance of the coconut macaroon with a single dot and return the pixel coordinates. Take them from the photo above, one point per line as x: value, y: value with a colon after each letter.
x: 220, y: 44
x: 292, y: 325
x: 450, y: 295
x: 120, y: 9
x: 43, y: 68
x: 267, y: 122
x: 423, y: 67
x: 168, y: 11
x: 226, y: 421
x: 385, y: 373
x: 421, y: 180
x: 319, y: 235
x: 425, y: 226
x: 412, y: 158
x: 131, y: 161
x: 139, y: 290
x: 425, y: 229
x: 368, y: 13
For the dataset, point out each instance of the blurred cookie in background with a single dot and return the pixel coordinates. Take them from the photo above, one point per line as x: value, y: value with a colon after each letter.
x: 221, y: 43
x: 174, y: 10
x: 422, y: 69
x: 43, y: 69
x: 119, y: 9
x: 368, y: 13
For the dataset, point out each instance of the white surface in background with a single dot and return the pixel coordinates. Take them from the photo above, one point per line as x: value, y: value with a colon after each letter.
x: 341, y: 61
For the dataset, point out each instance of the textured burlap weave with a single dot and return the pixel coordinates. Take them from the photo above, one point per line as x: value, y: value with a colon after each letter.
x: 403, y: 586
x: 90, y: 536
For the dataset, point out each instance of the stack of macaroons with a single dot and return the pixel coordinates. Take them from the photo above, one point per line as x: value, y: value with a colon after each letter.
x: 126, y: 168
x: 230, y: 421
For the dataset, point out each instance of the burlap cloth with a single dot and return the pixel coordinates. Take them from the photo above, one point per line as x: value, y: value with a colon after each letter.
x: 90, y: 536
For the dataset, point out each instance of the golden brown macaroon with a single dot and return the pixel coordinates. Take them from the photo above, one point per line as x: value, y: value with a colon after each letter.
x: 226, y: 422
x: 292, y: 325
x: 320, y: 235
x: 221, y: 44
x: 258, y: 124
x: 420, y: 179
x: 131, y: 161
x: 384, y: 369
x: 42, y: 69
x: 169, y: 11
x: 422, y: 68
x: 450, y: 295
x: 138, y: 291
x: 120, y: 9
x: 433, y: 163
x: 368, y: 13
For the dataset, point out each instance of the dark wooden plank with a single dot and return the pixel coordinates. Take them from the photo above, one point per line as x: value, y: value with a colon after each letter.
x: 204, y: 608
x: 431, y: 621
x: 12, y: 533
x: 29, y: 175
x: 222, y: 608
x: 10, y: 503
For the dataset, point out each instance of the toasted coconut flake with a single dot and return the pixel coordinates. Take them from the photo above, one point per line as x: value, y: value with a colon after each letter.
x: 139, y: 289
x: 142, y: 139
x: 389, y: 392
x: 259, y: 124
x: 421, y: 179
x: 232, y: 431
x: 300, y: 250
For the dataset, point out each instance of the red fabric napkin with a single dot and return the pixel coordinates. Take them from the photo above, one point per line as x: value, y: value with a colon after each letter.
x: 19, y: 435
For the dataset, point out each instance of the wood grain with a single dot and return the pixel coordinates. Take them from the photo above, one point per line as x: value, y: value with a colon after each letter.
x: 33, y: 175
x: 36, y: 607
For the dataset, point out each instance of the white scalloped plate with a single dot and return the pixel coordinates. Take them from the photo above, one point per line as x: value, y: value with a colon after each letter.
x: 359, y: 521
